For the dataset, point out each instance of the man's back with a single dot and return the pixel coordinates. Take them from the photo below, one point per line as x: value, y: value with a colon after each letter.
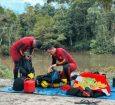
x: 63, y: 54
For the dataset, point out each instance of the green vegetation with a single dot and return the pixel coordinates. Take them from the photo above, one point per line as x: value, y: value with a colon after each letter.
x: 84, y: 25
x: 5, y: 72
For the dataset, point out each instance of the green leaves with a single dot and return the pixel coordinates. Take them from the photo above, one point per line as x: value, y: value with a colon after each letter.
x: 5, y: 72
x: 77, y: 24
x: 9, y: 28
x: 105, y: 4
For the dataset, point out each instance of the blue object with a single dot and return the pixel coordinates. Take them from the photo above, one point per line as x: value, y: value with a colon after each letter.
x: 55, y: 92
x: 9, y: 90
x: 112, y: 96
x: 54, y: 75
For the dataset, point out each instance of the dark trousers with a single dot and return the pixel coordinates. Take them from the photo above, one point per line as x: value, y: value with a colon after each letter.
x: 16, y: 68
x: 67, y: 70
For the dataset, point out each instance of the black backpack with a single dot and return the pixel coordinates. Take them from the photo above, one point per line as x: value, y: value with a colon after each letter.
x: 52, y: 77
x: 25, y: 67
x: 18, y: 84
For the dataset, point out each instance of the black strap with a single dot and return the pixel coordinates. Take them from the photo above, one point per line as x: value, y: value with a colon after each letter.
x: 20, y: 46
x: 30, y: 51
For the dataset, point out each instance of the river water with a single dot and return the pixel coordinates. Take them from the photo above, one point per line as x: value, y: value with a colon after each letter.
x: 85, y: 61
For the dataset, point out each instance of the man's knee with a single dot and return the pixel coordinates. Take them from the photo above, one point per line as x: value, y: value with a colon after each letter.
x: 73, y: 73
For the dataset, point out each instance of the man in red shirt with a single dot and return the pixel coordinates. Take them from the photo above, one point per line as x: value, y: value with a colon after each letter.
x: 19, y: 47
x: 64, y: 59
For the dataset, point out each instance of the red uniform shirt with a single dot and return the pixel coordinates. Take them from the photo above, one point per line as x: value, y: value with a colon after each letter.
x: 24, y: 44
x: 61, y: 55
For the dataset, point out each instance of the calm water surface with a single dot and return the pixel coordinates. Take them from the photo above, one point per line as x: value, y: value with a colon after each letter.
x: 42, y: 60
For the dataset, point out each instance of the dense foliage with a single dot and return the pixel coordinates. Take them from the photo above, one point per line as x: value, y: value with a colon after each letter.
x: 76, y: 24
x: 5, y: 72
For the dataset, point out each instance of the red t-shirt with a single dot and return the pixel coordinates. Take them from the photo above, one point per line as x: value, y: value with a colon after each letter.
x: 23, y: 44
x: 62, y: 54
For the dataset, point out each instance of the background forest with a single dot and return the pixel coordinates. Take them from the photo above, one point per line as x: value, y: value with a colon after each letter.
x: 79, y: 25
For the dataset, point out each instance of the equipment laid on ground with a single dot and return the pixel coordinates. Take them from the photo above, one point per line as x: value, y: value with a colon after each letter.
x: 29, y: 85
x: 89, y: 84
x: 44, y: 84
x: 18, y: 84
x: 26, y: 69
x: 51, y: 79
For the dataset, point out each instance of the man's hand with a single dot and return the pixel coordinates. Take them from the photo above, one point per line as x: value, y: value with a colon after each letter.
x: 53, y: 65
x: 28, y: 57
x: 49, y: 69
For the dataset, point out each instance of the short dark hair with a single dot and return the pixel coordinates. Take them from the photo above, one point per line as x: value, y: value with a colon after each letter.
x: 49, y: 46
x: 38, y: 44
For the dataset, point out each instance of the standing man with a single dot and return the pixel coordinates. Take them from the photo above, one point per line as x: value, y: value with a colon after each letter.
x: 64, y: 59
x: 19, y: 47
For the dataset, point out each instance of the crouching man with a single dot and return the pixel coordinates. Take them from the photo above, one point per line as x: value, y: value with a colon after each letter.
x: 60, y: 57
